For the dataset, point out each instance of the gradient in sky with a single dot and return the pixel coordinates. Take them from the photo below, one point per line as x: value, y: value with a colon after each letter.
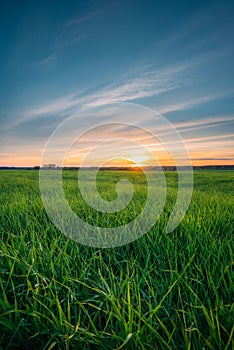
x: 58, y: 57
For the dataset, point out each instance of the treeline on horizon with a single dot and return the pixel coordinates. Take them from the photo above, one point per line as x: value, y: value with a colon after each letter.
x: 149, y: 168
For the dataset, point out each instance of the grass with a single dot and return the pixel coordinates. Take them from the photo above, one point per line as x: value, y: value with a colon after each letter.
x: 163, y: 291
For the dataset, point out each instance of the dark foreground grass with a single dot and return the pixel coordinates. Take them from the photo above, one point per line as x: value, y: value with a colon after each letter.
x: 163, y: 291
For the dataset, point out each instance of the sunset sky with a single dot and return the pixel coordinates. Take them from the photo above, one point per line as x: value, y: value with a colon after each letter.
x: 58, y: 57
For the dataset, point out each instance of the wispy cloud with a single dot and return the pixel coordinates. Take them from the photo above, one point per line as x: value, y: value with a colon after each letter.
x: 82, y: 19
x: 198, y: 124
x: 207, y: 148
x: 48, y: 58
x: 62, y: 43
x: 213, y: 158
x: 148, y: 83
x: 215, y: 138
x: 56, y: 105
x: 204, y: 121
x: 68, y: 35
x: 194, y: 102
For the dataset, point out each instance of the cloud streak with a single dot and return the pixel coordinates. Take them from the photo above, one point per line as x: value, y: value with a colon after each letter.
x: 82, y: 19
x: 194, y: 102
x: 69, y: 35
x: 147, y: 84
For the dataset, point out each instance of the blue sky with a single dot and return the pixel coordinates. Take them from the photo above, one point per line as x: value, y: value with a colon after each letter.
x: 173, y: 56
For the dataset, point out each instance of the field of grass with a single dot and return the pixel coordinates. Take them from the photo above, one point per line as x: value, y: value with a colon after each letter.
x: 163, y: 291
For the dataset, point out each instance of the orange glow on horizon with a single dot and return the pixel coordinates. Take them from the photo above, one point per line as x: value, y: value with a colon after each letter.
x: 31, y: 161
x: 199, y: 155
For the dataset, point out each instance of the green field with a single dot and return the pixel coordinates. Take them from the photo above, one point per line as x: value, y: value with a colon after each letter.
x: 163, y: 291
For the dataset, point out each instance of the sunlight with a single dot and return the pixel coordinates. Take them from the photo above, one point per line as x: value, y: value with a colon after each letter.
x: 140, y: 160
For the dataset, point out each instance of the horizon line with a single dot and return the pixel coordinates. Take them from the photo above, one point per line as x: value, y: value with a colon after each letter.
x: 37, y: 167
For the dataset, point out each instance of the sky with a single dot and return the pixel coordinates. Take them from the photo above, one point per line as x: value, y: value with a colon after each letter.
x: 63, y: 57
